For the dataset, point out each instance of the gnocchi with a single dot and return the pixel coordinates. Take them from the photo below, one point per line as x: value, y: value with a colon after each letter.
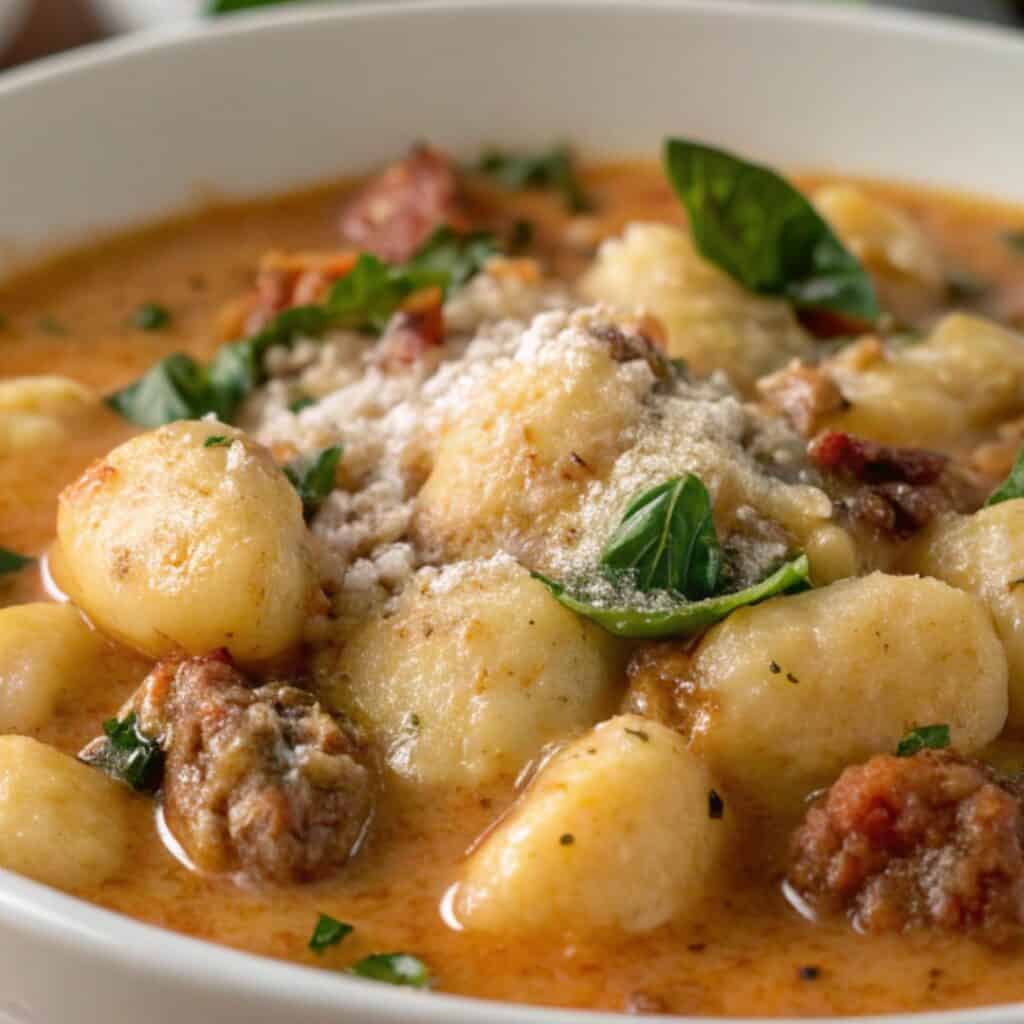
x: 170, y: 544
x: 61, y: 822
x: 474, y: 674
x: 34, y: 411
x: 46, y: 652
x: 782, y: 696
x: 623, y: 829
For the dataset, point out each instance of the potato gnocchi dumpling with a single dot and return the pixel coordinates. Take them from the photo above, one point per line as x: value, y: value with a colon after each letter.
x: 47, y: 652
x: 474, y: 674
x: 983, y: 554
x: 784, y: 695
x: 623, y: 829
x: 525, y: 448
x: 904, y: 264
x: 711, y: 321
x: 34, y: 411
x: 61, y: 822
x: 966, y: 376
x: 170, y: 544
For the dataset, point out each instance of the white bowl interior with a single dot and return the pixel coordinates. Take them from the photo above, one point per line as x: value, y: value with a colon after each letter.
x: 138, y: 128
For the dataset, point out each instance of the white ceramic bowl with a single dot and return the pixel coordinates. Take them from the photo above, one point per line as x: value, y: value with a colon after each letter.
x: 128, y: 131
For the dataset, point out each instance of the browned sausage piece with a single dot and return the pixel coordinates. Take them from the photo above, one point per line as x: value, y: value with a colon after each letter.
x: 258, y: 781
x: 933, y: 839
x: 396, y: 211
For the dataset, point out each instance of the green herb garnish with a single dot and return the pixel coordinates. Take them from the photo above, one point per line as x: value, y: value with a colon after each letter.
x: 300, y: 403
x: 217, y: 441
x: 394, y: 969
x: 128, y: 755
x: 667, y: 540
x: 364, y: 300
x: 1015, y: 239
x: 151, y: 316
x: 215, y: 8
x: 763, y: 233
x: 551, y: 169
x: 11, y: 561
x: 925, y: 737
x: 313, y: 477
x: 1013, y: 486
x: 666, y: 543
x: 328, y: 932
x: 50, y: 324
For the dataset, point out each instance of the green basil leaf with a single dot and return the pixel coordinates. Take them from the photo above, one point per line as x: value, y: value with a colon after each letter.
x: 458, y: 257
x: 176, y: 388
x: 755, y: 226
x: 1013, y: 486
x: 667, y: 541
x: 328, y: 932
x: 11, y: 561
x: 925, y: 737
x: 313, y: 477
x: 214, y: 8
x: 551, y: 169
x: 128, y: 755
x: 687, y: 617
x: 151, y: 316
x: 394, y: 969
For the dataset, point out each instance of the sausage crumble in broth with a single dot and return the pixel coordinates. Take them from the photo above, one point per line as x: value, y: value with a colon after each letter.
x: 487, y: 564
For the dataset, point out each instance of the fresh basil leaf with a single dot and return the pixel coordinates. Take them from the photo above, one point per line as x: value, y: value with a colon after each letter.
x: 667, y: 541
x: 1015, y: 239
x: 301, y: 402
x: 687, y: 617
x: 176, y: 388
x: 551, y: 169
x: 217, y: 441
x: 1013, y: 486
x: 151, y: 316
x: 394, y: 969
x: 328, y: 932
x: 11, y: 561
x: 925, y: 737
x: 755, y: 226
x: 128, y: 755
x: 459, y: 257
x: 313, y: 477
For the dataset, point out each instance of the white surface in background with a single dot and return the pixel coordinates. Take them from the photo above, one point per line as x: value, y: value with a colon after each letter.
x: 129, y: 15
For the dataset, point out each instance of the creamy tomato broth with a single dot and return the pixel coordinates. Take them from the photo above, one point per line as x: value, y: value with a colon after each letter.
x: 541, y: 553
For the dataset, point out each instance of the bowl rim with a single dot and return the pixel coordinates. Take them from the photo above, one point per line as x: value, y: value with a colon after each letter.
x: 66, y: 922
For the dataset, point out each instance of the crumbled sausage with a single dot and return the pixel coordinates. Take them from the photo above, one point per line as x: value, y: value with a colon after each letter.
x: 893, y: 491
x: 261, y: 781
x: 932, y: 839
x: 803, y: 394
x: 396, y: 211
x: 415, y: 330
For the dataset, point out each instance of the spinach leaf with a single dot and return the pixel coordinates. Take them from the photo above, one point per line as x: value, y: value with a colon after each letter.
x: 755, y: 226
x: 313, y: 477
x: 151, y: 316
x: 328, y: 932
x: 687, y: 617
x: 365, y: 299
x: 11, y: 561
x: 667, y: 541
x: 128, y: 755
x: 394, y: 969
x: 1013, y: 486
x: 925, y: 737
x: 551, y: 169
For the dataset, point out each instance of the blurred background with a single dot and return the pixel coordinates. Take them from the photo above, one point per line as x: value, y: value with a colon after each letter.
x: 33, y: 28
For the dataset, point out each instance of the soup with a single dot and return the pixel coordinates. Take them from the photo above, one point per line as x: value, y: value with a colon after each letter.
x: 520, y: 581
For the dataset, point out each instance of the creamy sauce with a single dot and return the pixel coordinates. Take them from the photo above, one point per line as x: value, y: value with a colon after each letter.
x: 71, y: 317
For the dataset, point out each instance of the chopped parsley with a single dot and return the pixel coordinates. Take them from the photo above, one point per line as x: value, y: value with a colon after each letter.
x: 716, y: 805
x: 151, y: 316
x: 393, y: 969
x: 217, y: 441
x: 313, y: 477
x: 1013, y: 486
x: 300, y: 403
x: 11, y: 561
x: 566, y: 839
x: 128, y: 755
x: 774, y: 667
x: 666, y: 545
x: 925, y: 737
x: 50, y: 324
x: 1015, y: 240
x: 763, y: 233
x: 328, y: 932
x: 551, y: 169
x: 639, y: 734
